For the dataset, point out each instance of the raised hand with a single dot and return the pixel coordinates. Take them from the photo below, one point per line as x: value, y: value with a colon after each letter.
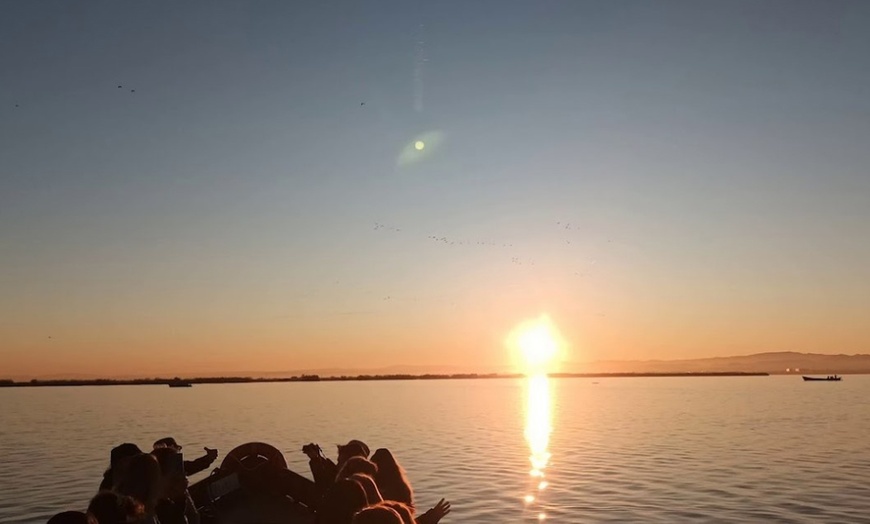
x: 434, y: 515
x: 312, y: 451
x: 212, y: 453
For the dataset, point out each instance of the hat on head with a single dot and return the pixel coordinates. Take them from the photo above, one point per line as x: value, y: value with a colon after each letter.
x: 167, y: 442
x: 125, y: 450
x: 170, y: 459
x: 354, y: 448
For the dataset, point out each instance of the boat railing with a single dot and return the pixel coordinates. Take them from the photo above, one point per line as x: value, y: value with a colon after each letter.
x: 223, y: 487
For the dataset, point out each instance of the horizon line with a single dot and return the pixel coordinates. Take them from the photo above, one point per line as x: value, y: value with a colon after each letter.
x: 161, y: 381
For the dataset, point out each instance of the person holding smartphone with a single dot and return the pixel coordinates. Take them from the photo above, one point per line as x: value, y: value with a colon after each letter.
x: 175, y: 505
x: 324, y: 469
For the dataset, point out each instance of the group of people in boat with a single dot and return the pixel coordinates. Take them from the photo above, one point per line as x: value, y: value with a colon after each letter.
x: 363, y: 489
x: 143, y: 487
x: 359, y: 487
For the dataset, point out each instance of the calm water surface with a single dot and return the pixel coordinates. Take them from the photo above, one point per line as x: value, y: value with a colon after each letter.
x: 620, y: 450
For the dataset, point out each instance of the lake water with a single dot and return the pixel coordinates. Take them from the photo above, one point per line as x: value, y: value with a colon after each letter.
x: 744, y: 449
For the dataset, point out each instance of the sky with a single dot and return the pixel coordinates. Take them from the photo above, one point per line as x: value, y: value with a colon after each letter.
x: 225, y: 187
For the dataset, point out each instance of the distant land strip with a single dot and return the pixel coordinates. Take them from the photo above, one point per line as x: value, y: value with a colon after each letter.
x: 344, y: 378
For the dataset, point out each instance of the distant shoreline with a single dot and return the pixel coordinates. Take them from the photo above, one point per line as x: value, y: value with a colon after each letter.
x: 346, y: 378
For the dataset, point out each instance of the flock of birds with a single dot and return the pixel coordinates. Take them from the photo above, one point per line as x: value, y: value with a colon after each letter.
x: 514, y: 259
x: 449, y: 240
x: 443, y: 240
x: 120, y: 86
x: 453, y: 242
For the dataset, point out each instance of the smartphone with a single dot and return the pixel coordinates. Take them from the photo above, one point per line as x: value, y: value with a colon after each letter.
x: 312, y: 450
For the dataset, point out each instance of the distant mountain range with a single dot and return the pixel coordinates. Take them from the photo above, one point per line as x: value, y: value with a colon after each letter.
x: 774, y: 363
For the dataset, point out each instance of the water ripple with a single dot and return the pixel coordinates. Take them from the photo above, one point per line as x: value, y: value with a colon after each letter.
x: 625, y: 450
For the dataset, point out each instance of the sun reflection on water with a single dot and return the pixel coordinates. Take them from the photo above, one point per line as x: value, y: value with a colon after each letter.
x: 538, y: 429
x: 537, y: 346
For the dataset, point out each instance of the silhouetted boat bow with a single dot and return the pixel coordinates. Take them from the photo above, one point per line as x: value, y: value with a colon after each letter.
x: 253, y: 485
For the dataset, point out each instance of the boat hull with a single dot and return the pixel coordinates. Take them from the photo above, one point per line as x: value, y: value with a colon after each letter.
x: 254, y: 486
x: 822, y: 379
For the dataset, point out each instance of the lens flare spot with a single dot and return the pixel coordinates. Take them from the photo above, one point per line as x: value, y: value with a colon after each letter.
x: 420, y: 148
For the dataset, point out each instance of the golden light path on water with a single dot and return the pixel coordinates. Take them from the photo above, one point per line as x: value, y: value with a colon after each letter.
x: 536, y: 346
x: 538, y: 429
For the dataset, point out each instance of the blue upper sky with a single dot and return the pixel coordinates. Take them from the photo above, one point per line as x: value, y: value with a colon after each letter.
x: 227, y: 170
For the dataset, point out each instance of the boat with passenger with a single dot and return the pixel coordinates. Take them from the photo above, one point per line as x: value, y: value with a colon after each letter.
x: 829, y: 378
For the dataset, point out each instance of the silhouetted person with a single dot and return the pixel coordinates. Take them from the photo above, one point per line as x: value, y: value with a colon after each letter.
x: 377, y: 515
x: 174, y: 505
x: 373, y: 496
x: 69, y: 517
x: 191, y: 467
x: 354, y: 448
x: 324, y: 469
x: 394, y: 485
x: 109, y: 507
x: 404, y: 511
x: 140, y: 477
x: 343, y: 500
x: 357, y: 465
x: 391, y: 478
x: 118, y: 454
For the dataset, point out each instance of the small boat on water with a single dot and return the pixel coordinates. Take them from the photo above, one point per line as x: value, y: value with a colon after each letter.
x: 253, y: 485
x: 832, y: 378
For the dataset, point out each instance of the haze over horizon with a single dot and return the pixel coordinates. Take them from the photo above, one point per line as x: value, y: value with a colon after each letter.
x: 782, y: 362
x: 310, y: 185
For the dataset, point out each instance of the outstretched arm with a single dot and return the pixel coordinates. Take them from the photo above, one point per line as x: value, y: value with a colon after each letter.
x: 434, y: 515
x: 192, y: 467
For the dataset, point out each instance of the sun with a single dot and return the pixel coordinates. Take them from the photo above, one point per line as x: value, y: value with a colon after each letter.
x: 536, y: 345
x: 419, y: 145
